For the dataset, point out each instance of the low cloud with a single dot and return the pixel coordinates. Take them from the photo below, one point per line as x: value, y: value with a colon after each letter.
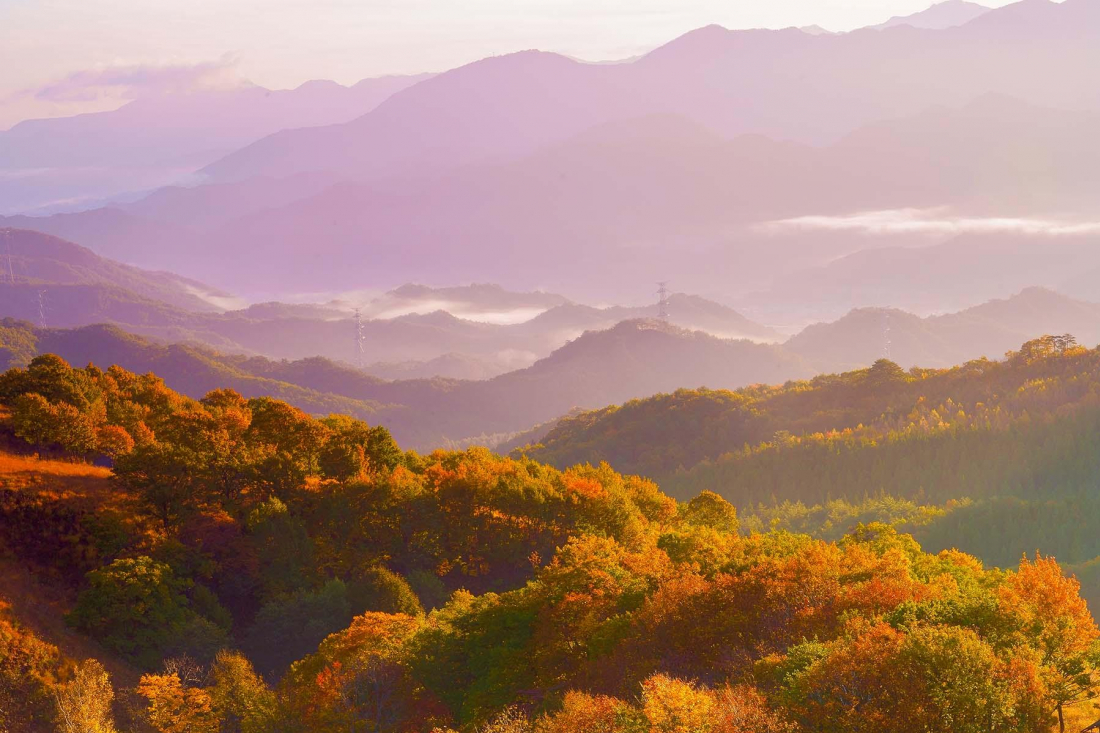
x: 930, y: 222
x: 131, y: 82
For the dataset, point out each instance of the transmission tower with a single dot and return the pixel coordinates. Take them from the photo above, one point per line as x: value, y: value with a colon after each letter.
x: 42, y: 308
x: 662, y: 300
x: 886, y: 335
x: 7, y: 240
x: 358, y: 339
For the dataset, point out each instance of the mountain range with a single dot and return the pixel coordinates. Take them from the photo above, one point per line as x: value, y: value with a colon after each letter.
x: 475, y: 331
x: 633, y: 359
x: 158, y: 139
x: 585, y: 179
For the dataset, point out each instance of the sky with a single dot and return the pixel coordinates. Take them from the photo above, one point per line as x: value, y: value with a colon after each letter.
x: 68, y: 56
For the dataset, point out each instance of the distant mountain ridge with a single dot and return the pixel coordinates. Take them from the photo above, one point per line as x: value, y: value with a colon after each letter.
x: 990, y: 329
x: 654, y: 194
x: 633, y: 359
x: 947, y: 14
x: 161, y: 139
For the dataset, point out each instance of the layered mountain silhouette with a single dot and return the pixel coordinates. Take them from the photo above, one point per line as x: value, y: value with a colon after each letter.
x: 801, y: 86
x: 411, y: 331
x: 159, y: 139
x: 991, y: 329
x: 626, y: 202
x: 964, y: 270
x: 633, y: 359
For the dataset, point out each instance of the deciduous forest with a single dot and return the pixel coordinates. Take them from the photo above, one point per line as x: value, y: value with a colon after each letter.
x: 239, y: 565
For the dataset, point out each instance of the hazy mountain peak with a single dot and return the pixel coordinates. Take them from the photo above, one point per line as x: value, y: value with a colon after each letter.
x: 948, y: 14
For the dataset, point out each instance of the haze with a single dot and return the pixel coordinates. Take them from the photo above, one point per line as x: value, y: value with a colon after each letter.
x: 280, y: 44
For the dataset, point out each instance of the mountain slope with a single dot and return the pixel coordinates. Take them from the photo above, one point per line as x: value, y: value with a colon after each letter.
x: 157, y: 140
x: 508, y: 106
x: 652, y: 197
x: 634, y: 359
x: 31, y: 258
x: 947, y: 14
x: 990, y: 329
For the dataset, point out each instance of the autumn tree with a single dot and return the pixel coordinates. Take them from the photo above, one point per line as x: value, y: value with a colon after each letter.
x: 1056, y: 621
x: 174, y: 708
x: 242, y: 700
x: 84, y: 703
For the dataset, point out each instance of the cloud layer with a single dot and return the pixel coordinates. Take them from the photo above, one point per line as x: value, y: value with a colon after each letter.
x: 130, y: 82
x: 936, y: 222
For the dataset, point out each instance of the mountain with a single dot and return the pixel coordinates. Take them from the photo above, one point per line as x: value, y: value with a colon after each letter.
x: 506, y: 107
x: 963, y: 271
x: 648, y: 199
x: 161, y: 139
x: 61, y: 284
x: 990, y: 329
x: 200, y: 208
x: 492, y: 109
x: 30, y: 259
x: 194, y: 371
x: 948, y: 14
x: 448, y: 366
x: 683, y: 436
x: 546, y: 173
x: 633, y: 359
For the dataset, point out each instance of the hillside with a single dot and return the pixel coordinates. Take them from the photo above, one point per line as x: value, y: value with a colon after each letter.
x: 634, y: 359
x: 159, y: 139
x: 475, y: 332
x: 190, y: 369
x: 504, y: 106
x: 664, y: 435
x: 1001, y: 452
x: 30, y: 258
x: 317, y: 547
x: 990, y: 329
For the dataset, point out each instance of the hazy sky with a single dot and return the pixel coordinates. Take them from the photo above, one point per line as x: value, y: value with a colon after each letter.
x: 65, y: 56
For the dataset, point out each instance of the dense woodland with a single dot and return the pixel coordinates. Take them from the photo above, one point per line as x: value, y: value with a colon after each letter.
x: 993, y: 457
x: 260, y: 569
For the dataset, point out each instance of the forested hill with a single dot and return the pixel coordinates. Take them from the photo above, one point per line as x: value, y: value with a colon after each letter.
x: 993, y: 457
x: 633, y: 359
x: 246, y: 568
x: 670, y: 433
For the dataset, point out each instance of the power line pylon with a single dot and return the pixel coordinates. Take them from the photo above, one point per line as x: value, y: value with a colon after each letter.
x: 358, y: 339
x: 662, y: 302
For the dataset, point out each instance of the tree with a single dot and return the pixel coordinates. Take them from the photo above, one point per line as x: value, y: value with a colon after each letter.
x: 84, y: 703
x: 242, y: 699
x: 1057, y: 622
x: 382, y: 590
x: 711, y: 510
x: 290, y: 627
x: 34, y: 420
x: 134, y: 606
x: 165, y: 477
x: 674, y: 706
x: 173, y: 708
x: 113, y: 441
x: 592, y: 714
